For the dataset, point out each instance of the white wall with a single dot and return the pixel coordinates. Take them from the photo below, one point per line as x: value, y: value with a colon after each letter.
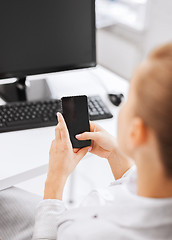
x: 121, y: 49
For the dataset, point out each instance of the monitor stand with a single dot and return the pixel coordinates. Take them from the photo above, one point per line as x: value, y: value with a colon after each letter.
x: 22, y: 90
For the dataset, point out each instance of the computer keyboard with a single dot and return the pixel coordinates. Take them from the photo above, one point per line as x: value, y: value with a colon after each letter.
x: 27, y: 115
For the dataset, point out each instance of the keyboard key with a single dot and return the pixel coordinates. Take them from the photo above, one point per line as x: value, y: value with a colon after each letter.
x: 2, y: 125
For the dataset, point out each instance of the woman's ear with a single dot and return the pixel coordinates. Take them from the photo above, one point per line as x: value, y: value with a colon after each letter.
x: 137, y: 134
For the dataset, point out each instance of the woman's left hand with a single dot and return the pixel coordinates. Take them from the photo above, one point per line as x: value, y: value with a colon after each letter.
x: 62, y: 160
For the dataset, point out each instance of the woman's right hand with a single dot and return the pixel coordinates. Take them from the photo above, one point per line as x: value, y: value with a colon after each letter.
x: 103, y: 144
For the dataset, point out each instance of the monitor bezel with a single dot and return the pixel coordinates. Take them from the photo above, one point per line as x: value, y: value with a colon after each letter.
x: 29, y: 72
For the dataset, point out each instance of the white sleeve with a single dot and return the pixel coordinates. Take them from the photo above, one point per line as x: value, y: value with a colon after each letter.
x: 47, y: 215
x: 130, y: 172
x: 104, y: 196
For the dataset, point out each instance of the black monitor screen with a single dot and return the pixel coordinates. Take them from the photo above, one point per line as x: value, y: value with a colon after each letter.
x: 41, y: 36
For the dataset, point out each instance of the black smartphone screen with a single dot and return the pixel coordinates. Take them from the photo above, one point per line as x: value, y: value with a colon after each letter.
x: 75, y: 113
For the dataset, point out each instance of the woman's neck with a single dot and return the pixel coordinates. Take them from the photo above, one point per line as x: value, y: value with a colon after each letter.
x: 152, y: 180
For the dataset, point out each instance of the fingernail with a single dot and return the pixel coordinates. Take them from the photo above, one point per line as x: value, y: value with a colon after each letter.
x: 78, y: 136
x: 90, y: 148
x: 58, y: 114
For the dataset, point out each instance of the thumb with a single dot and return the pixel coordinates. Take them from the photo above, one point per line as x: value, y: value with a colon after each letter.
x: 87, y: 136
x: 82, y: 152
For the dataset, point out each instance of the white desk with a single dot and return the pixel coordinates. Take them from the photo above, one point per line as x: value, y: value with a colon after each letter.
x: 24, y: 154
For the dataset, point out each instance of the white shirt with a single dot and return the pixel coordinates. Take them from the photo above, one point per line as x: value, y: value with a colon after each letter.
x: 112, y: 213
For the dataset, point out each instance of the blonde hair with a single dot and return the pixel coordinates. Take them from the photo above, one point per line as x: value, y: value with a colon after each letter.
x: 155, y: 98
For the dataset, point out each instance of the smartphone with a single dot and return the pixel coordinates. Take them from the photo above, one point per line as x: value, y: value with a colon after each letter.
x: 75, y: 113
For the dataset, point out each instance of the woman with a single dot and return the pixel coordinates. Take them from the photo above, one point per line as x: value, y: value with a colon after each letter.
x: 139, y: 203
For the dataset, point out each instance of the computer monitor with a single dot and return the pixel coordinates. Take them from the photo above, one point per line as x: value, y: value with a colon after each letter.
x: 44, y: 36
